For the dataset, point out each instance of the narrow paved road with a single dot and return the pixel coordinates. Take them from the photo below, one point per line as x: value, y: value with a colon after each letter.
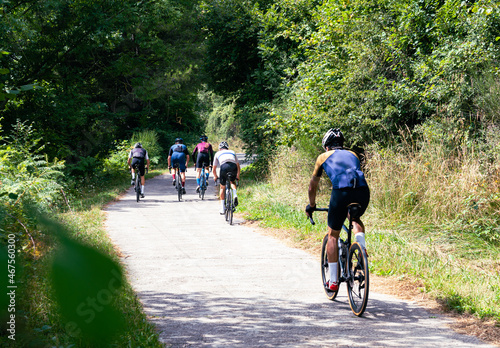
x: 205, y: 283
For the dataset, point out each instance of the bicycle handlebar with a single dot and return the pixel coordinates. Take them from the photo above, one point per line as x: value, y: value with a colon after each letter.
x: 316, y: 209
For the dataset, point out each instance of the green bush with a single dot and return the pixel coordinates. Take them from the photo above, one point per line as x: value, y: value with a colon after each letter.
x: 27, y: 175
x: 149, y: 141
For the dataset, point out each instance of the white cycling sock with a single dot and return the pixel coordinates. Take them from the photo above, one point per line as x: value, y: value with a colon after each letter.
x: 234, y: 193
x: 333, y: 272
x: 133, y: 176
x: 360, y: 238
x: 222, y: 204
x: 142, y: 189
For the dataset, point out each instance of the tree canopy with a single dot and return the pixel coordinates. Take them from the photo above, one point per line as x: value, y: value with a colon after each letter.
x: 98, y: 70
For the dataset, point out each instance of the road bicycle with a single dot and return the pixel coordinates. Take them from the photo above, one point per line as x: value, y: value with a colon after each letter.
x: 203, y: 182
x: 178, y: 181
x: 137, y: 183
x: 352, y: 266
x: 229, y: 200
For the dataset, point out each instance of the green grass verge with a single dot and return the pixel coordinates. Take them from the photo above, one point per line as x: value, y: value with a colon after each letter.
x: 39, y: 323
x: 458, y: 269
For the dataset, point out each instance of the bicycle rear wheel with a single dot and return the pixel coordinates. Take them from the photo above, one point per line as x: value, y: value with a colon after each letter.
x: 231, y: 209
x: 325, y: 271
x: 359, y: 281
x: 179, y: 185
x: 137, y: 187
x: 228, y: 203
x: 203, y: 186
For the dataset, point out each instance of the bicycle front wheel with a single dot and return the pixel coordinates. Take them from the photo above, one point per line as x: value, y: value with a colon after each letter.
x: 325, y: 271
x: 359, y: 280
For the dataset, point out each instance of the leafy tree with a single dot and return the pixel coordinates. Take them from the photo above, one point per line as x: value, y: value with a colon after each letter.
x: 103, y: 69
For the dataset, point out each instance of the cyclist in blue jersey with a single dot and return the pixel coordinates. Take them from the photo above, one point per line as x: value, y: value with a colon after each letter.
x: 228, y: 162
x: 179, y: 155
x: 349, y: 185
x: 205, y: 158
x: 138, y: 156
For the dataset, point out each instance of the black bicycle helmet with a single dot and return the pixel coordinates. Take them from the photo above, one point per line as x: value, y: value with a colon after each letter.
x: 333, y: 138
x: 138, y: 145
x: 179, y: 140
x: 223, y: 145
x: 204, y: 138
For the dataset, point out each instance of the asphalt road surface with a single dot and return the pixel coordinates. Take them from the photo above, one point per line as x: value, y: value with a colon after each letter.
x: 207, y: 284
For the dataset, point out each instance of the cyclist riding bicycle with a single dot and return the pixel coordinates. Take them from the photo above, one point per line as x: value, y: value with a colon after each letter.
x: 179, y: 155
x: 349, y: 185
x: 205, y: 158
x: 228, y: 162
x: 137, y: 157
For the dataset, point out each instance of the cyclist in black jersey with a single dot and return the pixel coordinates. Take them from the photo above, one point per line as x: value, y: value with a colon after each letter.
x: 138, y: 156
x: 349, y: 185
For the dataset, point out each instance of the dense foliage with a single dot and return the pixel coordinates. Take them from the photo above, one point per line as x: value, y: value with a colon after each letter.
x: 371, y: 67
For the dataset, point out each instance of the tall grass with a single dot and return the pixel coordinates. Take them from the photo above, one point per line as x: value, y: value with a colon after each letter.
x: 431, y: 183
x: 436, y: 212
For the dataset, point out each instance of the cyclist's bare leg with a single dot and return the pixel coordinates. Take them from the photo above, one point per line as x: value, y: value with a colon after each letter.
x: 332, y: 251
x: 359, y: 232
x: 233, y: 189
x: 222, y: 192
x: 183, y: 178
x: 198, y: 176
x: 332, y: 247
x: 222, y: 196
x: 207, y: 173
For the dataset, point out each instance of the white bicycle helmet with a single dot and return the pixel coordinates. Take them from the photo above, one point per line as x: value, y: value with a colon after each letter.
x: 333, y: 137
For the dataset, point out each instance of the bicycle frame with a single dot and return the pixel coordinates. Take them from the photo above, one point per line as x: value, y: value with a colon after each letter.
x: 137, y: 182
x: 229, y: 200
x: 352, y: 266
x: 203, y: 182
x: 178, y: 181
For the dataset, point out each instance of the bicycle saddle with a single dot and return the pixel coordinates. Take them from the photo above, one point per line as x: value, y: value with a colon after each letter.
x: 354, y: 210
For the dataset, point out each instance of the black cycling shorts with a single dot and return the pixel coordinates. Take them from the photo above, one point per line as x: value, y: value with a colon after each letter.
x: 139, y: 163
x: 228, y: 167
x: 340, y: 199
x: 202, y: 159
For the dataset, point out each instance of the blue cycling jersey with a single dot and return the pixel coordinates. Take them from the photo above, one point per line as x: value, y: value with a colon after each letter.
x: 178, y: 148
x: 342, y: 167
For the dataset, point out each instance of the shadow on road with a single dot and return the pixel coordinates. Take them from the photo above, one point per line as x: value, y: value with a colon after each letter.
x: 253, y: 322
